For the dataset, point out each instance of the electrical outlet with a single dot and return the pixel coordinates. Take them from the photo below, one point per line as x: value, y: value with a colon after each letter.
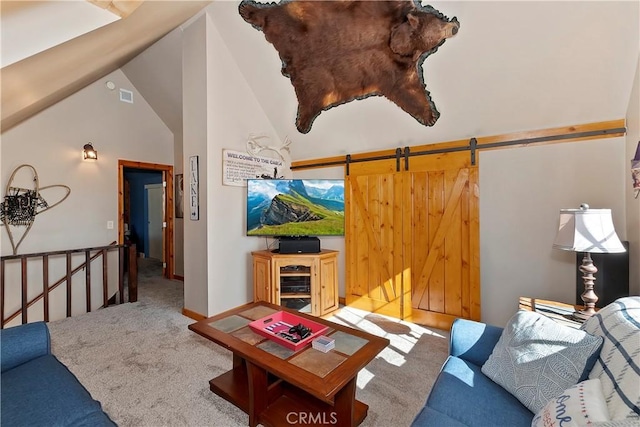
x: 109, y: 225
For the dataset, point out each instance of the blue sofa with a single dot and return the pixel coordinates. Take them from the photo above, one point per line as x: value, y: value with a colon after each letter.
x: 38, y: 390
x: 462, y: 395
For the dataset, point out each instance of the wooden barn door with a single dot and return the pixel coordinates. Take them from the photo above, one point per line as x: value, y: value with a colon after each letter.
x: 375, y: 265
x: 413, y: 241
x: 441, y: 238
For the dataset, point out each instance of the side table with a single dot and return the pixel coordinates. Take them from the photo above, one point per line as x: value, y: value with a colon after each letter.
x: 557, y: 311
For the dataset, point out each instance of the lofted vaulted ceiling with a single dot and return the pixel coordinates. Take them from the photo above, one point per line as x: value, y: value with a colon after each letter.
x: 513, y: 66
x: 73, y: 46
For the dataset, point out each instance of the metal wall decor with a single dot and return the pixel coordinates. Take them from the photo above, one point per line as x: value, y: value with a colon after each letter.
x: 21, y: 205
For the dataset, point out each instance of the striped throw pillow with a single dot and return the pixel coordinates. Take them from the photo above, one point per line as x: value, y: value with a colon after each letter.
x: 618, y: 366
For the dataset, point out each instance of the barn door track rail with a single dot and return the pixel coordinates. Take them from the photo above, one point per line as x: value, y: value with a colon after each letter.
x: 599, y: 130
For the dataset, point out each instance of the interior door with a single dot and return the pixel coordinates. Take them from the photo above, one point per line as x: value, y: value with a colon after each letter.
x: 412, y: 238
x: 375, y: 270
x: 154, y: 220
x: 441, y: 239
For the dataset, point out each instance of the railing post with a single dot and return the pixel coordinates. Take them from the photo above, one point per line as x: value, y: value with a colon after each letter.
x: 133, y: 273
x: 105, y: 281
x: 87, y: 280
x: 2, y: 294
x: 69, y: 284
x: 121, y: 273
x: 23, y: 262
x: 45, y: 286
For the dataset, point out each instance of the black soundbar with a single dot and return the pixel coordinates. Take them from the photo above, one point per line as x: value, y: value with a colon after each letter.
x: 299, y: 245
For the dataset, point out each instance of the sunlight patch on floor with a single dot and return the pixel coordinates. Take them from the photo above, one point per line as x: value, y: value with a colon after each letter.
x: 402, y: 335
x: 364, y: 376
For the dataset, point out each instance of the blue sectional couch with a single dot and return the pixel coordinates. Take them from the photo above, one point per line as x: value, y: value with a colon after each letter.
x: 38, y: 390
x: 593, y: 372
x: 462, y: 395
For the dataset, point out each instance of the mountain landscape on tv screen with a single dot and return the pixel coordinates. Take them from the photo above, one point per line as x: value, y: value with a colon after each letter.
x: 295, y: 207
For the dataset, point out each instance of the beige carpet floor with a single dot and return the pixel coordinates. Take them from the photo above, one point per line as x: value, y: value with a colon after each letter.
x: 144, y: 365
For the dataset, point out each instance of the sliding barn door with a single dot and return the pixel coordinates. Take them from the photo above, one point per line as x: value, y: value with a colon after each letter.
x: 413, y: 240
x: 375, y: 266
x: 441, y: 238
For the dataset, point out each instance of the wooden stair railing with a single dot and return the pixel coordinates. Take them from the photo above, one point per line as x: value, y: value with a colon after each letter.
x: 101, y: 251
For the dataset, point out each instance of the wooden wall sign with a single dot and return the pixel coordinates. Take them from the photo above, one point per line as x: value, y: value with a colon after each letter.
x: 194, y: 202
x: 338, y: 51
x: 238, y: 167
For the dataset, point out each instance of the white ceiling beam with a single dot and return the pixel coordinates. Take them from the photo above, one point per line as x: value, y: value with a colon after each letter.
x: 37, y: 82
x: 121, y: 8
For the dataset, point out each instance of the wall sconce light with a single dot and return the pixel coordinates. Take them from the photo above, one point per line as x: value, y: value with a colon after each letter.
x: 89, y: 153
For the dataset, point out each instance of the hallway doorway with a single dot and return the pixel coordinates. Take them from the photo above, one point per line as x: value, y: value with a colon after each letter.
x: 145, y: 211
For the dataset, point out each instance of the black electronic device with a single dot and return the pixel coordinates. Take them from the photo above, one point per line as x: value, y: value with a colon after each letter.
x: 299, y: 245
x: 295, y: 289
x: 295, y: 269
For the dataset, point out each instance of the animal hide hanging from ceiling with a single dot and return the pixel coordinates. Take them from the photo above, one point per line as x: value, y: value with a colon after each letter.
x: 338, y: 51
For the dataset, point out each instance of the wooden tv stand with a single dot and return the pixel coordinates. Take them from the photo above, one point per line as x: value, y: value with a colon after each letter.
x: 306, y: 282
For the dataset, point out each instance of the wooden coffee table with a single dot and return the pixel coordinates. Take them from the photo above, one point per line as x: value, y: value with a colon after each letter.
x: 277, y: 386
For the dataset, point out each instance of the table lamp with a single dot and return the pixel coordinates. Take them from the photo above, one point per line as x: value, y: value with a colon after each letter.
x: 587, y: 230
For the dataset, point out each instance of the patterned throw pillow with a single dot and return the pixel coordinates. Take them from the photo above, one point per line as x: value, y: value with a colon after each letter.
x: 536, y: 359
x: 580, y: 405
x: 618, y: 366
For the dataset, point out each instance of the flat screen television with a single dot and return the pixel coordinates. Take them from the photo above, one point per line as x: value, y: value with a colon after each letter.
x: 295, y: 207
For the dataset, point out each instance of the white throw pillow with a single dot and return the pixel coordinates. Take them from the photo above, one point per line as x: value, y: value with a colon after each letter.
x: 580, y: 405
x: 618, y: 366
x: 536, y: 359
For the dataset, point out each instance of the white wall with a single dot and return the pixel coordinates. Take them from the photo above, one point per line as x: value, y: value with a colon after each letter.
x: 521, y: 193
x: 194, y: 86
x: 52, y: 142
x: 178, y: 223
x: 220, y: 112
x: 632, y: 204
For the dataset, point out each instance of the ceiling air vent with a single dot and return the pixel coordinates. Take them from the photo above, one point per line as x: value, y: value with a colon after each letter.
x: 126, y: 96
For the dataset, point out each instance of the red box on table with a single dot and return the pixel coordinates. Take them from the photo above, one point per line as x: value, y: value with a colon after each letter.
x: 281, y: 321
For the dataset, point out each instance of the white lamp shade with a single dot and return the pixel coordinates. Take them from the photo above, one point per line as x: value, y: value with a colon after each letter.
x: 587, y: 230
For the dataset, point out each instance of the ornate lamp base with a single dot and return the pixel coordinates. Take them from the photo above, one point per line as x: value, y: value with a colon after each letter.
x: 589, y: 297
